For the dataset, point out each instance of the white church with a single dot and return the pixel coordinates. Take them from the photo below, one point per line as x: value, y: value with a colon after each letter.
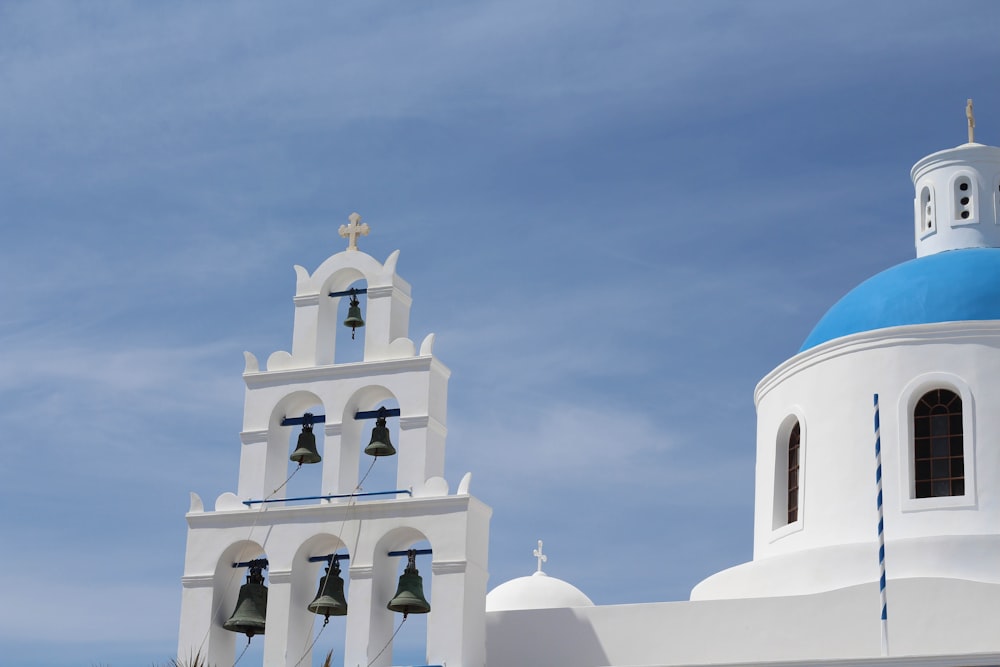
x: 877, y: 486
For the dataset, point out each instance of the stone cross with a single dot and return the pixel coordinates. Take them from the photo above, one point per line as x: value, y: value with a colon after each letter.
x: 537, y: 553
x: 972, y: 120
x: 353, y: 230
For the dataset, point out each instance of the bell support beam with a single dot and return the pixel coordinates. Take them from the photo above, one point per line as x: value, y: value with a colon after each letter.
x: 332, y: 557
x: 359, y: 416
x: 349, y: 292
x: 329, y: 558
x: 257, y: 562
x: 248, y: 503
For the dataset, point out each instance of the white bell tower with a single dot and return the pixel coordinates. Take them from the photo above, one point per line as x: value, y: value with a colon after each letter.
x: 261, y: 521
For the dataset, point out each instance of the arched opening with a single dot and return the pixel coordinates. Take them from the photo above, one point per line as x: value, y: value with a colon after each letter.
x: 289, y: 428
x: 410, y: 644
x: 394, y: 640
x: 361, y: 472
x: 305, y: 475
x: 339, y: 343
x: 378, y: 474
x: 231, y: 578
x: 351, y: 343
x: 938, y: 445
x: 926, y: 211
x: 312, y: 635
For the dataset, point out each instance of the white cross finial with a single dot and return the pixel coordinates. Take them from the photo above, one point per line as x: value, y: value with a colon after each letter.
x: 539, y: 555
x: 972, y: 120
x: 353, y: 230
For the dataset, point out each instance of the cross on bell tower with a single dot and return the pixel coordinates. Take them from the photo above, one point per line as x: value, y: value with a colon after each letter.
x: 353, y: 230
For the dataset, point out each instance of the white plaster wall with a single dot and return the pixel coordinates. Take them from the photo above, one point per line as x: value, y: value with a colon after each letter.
x: 927, y: 617
x: 455, y: 527
x: 418, y: 384
x: 830, y: 388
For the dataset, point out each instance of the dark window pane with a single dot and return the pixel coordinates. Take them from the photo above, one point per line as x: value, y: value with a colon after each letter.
x: 923, y: 449
x: 957, y: 468
x: 939, y: 425
x: 958, y: 487
x: 921, y: 427
x: 940, y: 469
x: 940, y: 446
x: 956, y: 446
x: 793, y: 474
x: 923, y: 489
x: 955, y: 423
x: 923, y: 470
x: 942, y: 488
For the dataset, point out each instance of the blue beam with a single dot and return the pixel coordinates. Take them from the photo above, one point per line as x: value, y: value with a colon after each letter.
x: 296, y: 421
x: 329, y: 558
x: 349, y: 292
x: 372, y: 414
x: 359, y: 416
x: 248, y: 503
x: 420, y: 552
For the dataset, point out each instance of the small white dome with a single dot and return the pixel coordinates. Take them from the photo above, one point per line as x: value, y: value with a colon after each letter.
x: 539, y: 591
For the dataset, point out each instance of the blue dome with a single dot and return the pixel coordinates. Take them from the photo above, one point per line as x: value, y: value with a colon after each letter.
x: 951, y: 286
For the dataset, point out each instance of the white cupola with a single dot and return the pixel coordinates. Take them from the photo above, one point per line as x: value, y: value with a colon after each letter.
x: 957, y: 197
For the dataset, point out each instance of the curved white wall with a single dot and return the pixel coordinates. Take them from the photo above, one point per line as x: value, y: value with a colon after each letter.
x: 829, y: 389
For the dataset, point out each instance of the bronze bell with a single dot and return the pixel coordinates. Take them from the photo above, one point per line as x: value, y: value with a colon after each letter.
x: 305, y: 449
x: 354, y: 319
x: 251, y: 607
x: 409, y: 598
x: 380, y: 444
x: 330, y: 598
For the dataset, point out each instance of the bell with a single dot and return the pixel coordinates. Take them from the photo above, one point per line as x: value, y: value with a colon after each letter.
x: 330, y: 598
x: 380, y: 444
x: 354, y: 319
x: 409, y: 598
x: 305, y: 449
x: 251, y: 607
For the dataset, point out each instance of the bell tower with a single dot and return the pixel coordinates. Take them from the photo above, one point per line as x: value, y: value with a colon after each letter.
x: 368, y: 535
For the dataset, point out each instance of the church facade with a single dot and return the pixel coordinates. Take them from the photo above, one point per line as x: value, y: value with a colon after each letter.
x: 877, y: 486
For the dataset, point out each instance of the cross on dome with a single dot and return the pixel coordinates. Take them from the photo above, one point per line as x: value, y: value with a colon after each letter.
x: 972, y: 120
x: 537, y: 553
x: 353, y: 230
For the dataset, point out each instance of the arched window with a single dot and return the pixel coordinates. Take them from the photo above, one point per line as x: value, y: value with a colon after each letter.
x: 926, y: 217
x: 793, y: 474
x: 938, y: 462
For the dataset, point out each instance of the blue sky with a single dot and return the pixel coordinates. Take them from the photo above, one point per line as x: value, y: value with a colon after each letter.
x: 616, y: 217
